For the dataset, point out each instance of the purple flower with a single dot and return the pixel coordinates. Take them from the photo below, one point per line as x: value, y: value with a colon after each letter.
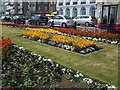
x: 45, y: 41
x: 0, y: 67
x: 95, y: 47
x: 60, y: 45
x: 77, y: 49
x: 53, y: 43
x: 49, y: 42
x: 31, y: 38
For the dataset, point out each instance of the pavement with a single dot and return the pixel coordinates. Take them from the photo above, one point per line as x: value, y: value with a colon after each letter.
x: 94, y: 28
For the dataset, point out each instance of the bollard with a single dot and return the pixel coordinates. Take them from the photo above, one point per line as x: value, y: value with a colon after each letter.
x: 52, y: 24
x: 75, y: 25
x: 99, y: 23
x: 109, y: 27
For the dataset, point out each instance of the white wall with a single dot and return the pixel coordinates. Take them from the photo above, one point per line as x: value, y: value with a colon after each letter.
x: 79, y: 6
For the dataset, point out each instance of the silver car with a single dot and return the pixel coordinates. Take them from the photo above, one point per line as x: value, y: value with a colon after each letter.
x: 61, y: 20
x: 85, y: 20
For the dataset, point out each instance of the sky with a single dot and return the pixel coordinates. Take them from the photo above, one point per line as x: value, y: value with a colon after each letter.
x: 113, y: 0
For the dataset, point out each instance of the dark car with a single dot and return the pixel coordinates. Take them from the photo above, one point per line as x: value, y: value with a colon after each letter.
x: 38, y: 20
x: 19, y: 19
x: 6, y: 18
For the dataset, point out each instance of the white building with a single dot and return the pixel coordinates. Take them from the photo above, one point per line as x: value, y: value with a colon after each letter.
x: 73, y: 8
x: 2, y: 8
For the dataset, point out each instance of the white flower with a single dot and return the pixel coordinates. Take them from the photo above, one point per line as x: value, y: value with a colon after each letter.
x: 103, y: 39
x: 81, y: 75
x: 39, y: 40
x: 24, y: 36
x: 106, y: 85
x: 68, y: 47
x: 29, y: 37
x: 20, y: 47
x: 35, y: 54
x: 50, y: 61
x: 14, y: 46
x: 70, y: 70
x: 89, y: 38
x: 72, y: 48
x: 63, y: 70
x: 57, y: 65
x: 88, y: 80
x: 44, y: 59
x: 95, y: 39
x: 84, y: 37
x: 77, y: 75
x: 112, y: 87
x: 39, y: 58
x: 65, y: 46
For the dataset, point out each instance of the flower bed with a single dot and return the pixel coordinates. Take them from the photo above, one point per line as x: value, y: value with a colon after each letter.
x: 21, y: 25
x: 5, y: 23
x: 21, y: 68
x: 78, y: 45
x: 44, y: 30
x: 92, y: 35
x: 5, y: 45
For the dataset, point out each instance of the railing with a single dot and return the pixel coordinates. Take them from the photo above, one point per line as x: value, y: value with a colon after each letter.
x: 111, y: 27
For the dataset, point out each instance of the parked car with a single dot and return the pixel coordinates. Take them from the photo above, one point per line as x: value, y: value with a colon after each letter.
x: 6, y: 18
x: 38, y: 20
x: 61, y: 20
x: 85, y: 19
x: 18, y: 19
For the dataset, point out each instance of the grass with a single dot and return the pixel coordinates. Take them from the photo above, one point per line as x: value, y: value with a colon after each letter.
x: 101, y: 65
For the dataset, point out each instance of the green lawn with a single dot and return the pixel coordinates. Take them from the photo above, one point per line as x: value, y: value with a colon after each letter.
x: 101, y: 65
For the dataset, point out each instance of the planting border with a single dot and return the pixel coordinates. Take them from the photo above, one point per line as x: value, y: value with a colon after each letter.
x: 92, y: 83
x: 88, y: 38
x: 92, y: 48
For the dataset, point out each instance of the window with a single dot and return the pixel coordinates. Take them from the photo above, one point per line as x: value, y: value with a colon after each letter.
x: 92, y: 11
x: 105, y: 15
x: 61, y: 17
x: 35, y: 17
x: 74, y: 3
x: 67, y: 2
x: 56, y: 17
x: 67, y: 12
x: 67, y: 17
x: 92, y: 1
x: 109, y: 14
x: 83, y: 1
x: 74, y: 12
x: 60, y: 3
x: 83, y: 11
x: 61, y: 11
x: 84, y: 17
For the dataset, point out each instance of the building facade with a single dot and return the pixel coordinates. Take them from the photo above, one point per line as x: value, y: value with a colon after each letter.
x: 2, y: 8
x: 73, y: 8
x: 15, y: 8
x: 28, y: 7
